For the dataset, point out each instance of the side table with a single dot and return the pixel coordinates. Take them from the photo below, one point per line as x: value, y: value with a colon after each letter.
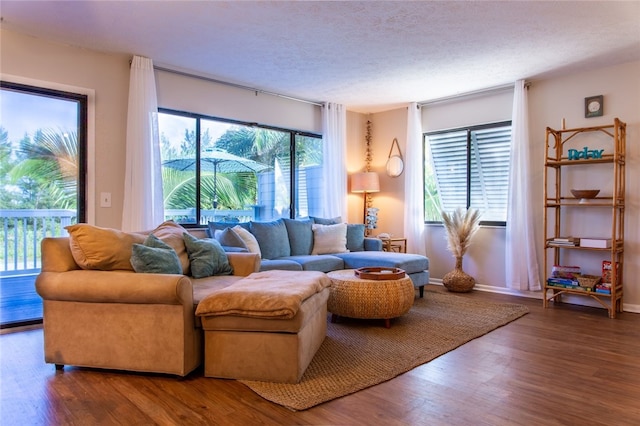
x: 355, y: 297
x: 399, y: 245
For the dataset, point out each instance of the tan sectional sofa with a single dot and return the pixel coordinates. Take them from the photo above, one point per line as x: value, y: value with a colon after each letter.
x: 120, y: 319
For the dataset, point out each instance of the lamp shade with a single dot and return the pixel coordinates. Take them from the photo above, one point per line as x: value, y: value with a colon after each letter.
x: 365, y: 182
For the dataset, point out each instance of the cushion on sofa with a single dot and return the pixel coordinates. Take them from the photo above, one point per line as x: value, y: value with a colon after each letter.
x: 282, y: 264
x: 206, y: 256
x: 249, y: 240
x: 326, y: 221
x: 104, y: 249
x: 272, y: 238
x: 229, y: 238
x: 155, y: 257
x: 409, y: 262
x: 171, y: 232
x: 318, y: 262
x: 300, y: 236
x: 212, y: 227
x: 329, y: 238
x: 355, y: 236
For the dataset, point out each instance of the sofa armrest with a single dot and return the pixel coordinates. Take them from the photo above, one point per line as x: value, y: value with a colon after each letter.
x: 372, y: 244
x: 115, y: 287
x: 56, y: 255
x: 244, y: 264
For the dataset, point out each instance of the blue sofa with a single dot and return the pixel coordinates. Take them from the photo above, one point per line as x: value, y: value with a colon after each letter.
x: 289, y: 244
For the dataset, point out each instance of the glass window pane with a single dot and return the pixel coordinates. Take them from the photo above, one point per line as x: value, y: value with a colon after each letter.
x: 217, y: 170
x: 468, y: 164
x: 178, y: 153
x: 309, y: 182
x: 236, y: 163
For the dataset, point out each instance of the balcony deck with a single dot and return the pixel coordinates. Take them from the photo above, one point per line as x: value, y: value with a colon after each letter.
x: 19, y: 301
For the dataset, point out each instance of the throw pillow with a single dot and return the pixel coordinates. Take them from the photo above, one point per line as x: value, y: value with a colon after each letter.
x: 229, y: 238
x: 329, y: 238
x: 355, y: 237
x: 272, y: 238
x: 104, y: 249
x: 248, y: 238
x: 207, y: 257
x: 212, y: 227
x: 155, y: 257
x: 323, y: 221
x: 300, y: 236
x: 171, y: 232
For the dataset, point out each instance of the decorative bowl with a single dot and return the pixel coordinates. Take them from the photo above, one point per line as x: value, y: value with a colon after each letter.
x: 585, y: 193
x: 379, y: 273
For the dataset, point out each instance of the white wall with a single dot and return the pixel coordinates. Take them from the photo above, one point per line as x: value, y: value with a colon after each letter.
x: 550, y: 100
x: 486, y: 252
x: 200, y: 96
x: 107, y: 76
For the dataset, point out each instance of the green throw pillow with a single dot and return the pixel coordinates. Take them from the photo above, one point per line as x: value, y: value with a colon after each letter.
x: 155, y: 257
x: 207, y: 257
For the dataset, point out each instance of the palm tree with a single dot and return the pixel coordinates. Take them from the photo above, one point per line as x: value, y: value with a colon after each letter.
x: 48, y: 169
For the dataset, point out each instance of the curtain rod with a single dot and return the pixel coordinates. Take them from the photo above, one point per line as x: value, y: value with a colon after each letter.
x: 238, y: 86
x: 487, y: 91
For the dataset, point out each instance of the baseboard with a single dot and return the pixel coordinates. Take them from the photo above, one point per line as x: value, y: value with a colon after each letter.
x: 576, y: 300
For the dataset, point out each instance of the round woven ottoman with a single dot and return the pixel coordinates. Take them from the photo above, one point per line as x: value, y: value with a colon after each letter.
x: 354, y: 297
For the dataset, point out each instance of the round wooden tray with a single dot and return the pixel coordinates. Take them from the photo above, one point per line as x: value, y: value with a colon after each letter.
x: 379, y: 273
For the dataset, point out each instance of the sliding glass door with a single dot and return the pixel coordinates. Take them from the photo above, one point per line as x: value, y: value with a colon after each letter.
x: 42, y: 186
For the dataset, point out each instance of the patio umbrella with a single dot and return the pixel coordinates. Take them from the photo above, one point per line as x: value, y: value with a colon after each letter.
x: 217, y: 161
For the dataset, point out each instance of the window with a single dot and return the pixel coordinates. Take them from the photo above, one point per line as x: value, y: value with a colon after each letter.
x: 223, y: 170
x: 43, y: 140
x: 468, y: 168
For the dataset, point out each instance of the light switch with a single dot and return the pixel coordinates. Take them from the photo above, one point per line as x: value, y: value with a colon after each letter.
x: 105, y: 199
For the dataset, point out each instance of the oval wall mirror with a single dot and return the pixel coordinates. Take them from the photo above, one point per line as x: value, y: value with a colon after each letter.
x: 395, y: 164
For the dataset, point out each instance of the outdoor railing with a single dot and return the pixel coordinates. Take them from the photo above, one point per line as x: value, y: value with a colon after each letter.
x: 22, y: 231
x: 189, y: 215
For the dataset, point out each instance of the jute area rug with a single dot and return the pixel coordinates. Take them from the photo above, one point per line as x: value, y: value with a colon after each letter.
x: 357, y: 354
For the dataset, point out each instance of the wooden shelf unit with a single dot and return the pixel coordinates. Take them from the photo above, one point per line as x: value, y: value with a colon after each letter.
x: 557, y: 203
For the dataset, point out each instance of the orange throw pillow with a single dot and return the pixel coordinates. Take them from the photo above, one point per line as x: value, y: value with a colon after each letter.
x: 104, y: 249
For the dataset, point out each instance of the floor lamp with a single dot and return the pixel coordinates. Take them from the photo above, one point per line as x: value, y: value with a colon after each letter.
x: 365, y: 182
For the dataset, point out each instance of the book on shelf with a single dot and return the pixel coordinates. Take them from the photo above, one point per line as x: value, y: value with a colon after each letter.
x: 595, y: 242
x: 568, y: 272
x: 603, y: 289
x: 562, y: 282
x: 564, y: 241
x: 566, y: 286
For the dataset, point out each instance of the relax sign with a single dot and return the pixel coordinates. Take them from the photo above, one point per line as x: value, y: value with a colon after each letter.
x: 585, y: 153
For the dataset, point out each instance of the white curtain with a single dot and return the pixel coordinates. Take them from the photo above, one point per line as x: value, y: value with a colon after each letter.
x: 414, y: 229
x: 143, y: 205
x: 334, y: 143
x: 521, y: 263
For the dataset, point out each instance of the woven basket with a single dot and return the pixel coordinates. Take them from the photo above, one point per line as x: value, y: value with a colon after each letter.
x: 588, y: 281
x: 458, y: 281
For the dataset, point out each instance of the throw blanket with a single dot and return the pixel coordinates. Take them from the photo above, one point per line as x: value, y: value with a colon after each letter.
x: 269, y: 294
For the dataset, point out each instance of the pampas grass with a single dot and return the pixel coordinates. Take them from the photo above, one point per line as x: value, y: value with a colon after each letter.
x: 460, y: 226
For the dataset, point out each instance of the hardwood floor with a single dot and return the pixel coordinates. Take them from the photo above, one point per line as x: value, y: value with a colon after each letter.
x: 566, y: 365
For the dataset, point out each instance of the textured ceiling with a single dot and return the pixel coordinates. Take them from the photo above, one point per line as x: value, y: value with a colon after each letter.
x: 370, y: 56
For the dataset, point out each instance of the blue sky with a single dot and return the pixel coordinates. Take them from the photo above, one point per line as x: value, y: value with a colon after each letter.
x: 21, y: 112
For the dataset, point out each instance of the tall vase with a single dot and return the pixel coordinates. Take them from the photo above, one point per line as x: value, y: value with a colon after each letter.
x: 457, y: 280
